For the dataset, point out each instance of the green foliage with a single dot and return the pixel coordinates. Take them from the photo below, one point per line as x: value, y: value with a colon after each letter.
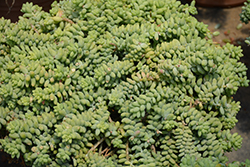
x: 245, y: 16
x: 116, y: 83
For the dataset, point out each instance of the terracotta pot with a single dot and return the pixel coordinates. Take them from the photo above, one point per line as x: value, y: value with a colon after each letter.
x: 13, y: 12
x: 219, y: 3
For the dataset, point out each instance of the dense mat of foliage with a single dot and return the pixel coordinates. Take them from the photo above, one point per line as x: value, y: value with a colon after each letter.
x: 116, y: 83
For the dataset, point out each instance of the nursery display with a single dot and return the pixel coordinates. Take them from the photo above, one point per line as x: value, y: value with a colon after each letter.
x: 117, y: 83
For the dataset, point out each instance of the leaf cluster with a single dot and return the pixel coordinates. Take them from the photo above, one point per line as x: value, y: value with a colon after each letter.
x: 245, y: 16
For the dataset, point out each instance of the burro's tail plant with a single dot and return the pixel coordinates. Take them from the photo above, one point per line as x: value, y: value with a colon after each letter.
x: 245, y: 16
x: 117, y: 83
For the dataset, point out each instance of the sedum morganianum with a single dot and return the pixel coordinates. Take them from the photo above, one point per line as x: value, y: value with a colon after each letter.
x: 245, y: 16
x: 116, y: 83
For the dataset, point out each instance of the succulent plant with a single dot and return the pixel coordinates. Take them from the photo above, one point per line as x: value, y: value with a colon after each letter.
x: 116, y: 83
x: 245, y: 16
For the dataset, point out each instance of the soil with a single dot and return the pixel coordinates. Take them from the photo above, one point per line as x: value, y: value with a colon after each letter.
x: 224, y: 20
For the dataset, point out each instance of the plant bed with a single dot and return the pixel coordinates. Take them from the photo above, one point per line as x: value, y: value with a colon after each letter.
x: 117, y: 84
